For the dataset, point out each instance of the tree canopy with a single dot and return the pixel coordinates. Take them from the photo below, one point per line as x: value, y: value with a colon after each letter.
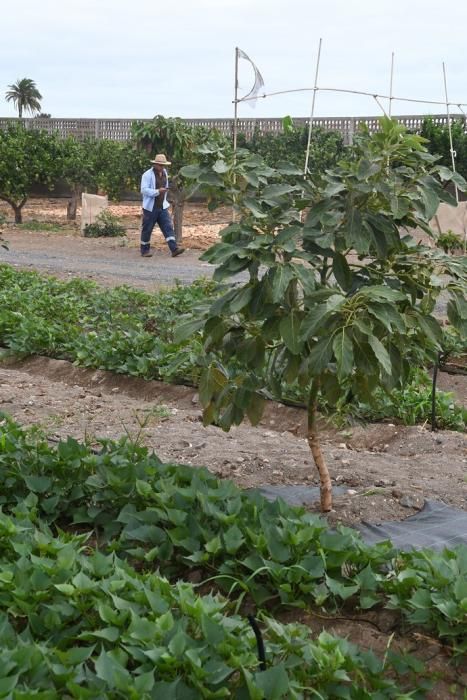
x: 26, y: 157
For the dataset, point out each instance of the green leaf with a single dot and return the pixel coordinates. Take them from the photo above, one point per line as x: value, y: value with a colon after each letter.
x: 286, y: 168
x: 110, y: 670
x: 382, y: 292
x: 144, y: 683
x: 272, y: 194
x: 192, y: 172
x: 283, y: 274
x: 214, y: 545
x: 366, y: 169
x: 241, y: 299
x: 187, y: 329
x: 388, y: 315
x: 289, y: 329
x: 254, y: 208
x: 314, y: 320
x: 274, y: 682
x: 178, y: 643
x: 209, y: 178
x: 341, y: 271
x: 65, y: 588
x: 334, y: 188
x: 339, y: 589
x: 110, y: 634
x: 255, y: 408
x: 8, y: 684
x: 212, y: 381
x: 83, y: 583
x: 431, y: 328
x: 321, y: 355
x: 381, y: 353
x: 38, y: 484
x: 251, y: 178
x: 212, y: 630
x: 431, y: 202
x: 306, y: 277
x: 356, y: 236
x: 233, y: 539
x: 343, y: 350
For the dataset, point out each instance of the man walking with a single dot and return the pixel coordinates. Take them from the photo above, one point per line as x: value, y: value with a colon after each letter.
x: 154, y: 186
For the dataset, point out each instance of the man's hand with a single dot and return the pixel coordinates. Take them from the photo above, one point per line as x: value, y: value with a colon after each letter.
x: 163, y: 190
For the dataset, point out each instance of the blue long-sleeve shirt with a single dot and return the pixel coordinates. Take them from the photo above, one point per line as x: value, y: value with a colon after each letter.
x: 149, y: 191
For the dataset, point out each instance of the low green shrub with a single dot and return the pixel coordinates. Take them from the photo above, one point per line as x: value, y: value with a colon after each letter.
x: 106, y: 224
x: 412, y: 405
x: 449, y: 241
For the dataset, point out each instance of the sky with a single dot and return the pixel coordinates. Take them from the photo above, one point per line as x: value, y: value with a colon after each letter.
x: 103, y: 59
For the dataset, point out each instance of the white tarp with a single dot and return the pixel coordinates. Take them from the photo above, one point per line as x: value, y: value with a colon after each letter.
x: 91, y: 207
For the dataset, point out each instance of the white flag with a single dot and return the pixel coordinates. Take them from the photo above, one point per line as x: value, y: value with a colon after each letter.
x: 258, y: 84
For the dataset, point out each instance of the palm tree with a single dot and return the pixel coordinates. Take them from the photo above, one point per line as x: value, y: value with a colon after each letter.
x: 24, y: 95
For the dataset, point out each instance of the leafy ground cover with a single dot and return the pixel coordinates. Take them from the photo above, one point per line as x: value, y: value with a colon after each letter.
x: 87, y: 625
x: 94, y: 545
x: 122, y: 329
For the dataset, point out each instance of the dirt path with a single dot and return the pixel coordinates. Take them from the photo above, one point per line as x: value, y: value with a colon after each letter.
x: 385, y: 471
x: 63, y: 252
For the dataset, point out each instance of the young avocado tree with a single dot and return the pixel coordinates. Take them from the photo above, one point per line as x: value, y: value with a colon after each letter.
x: 336, y: 295
x: 27, y: 157
x: 179, y: 142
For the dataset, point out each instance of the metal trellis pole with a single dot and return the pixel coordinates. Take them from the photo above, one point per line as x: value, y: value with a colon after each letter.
x: 390, y: 84
x: 453, y: 153
x: 310, y: 126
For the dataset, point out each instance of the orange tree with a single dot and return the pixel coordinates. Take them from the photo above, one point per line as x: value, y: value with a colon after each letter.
x: 336, y: 297
x: 439, y: 142
x: 326, y: 147
x: 26, y: 158
x: 98, y: 164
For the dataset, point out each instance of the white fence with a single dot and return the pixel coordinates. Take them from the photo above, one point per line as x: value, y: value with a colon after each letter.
x: 120, y: 129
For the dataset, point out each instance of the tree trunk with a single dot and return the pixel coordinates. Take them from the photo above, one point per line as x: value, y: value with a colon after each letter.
x: 315, y: 447
x: 73, y: 203
x: 17, y: 208
x: 179, y: 206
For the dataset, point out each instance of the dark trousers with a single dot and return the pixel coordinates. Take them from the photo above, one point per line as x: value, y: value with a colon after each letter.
x: 164, y: 221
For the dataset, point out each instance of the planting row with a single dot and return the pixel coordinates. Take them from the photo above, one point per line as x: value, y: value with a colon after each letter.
x: 132, y: 332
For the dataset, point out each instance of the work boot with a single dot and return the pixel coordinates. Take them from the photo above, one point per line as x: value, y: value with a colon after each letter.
x: 147, y: 254
x: 177, y: 251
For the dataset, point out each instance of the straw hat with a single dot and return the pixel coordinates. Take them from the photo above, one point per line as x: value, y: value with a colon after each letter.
x: 160, y: 159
